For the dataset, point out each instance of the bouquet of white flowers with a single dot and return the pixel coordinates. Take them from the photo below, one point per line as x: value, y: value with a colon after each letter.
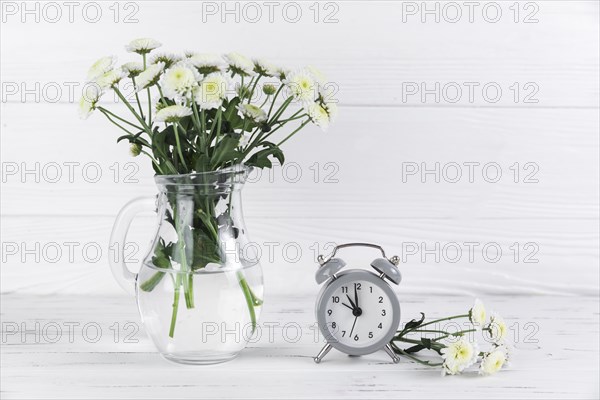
x: 205, y: 113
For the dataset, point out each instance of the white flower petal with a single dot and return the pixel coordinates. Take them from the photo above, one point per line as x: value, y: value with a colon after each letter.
x: 100, y: 67
x: 149, y: 76
x: 179, y: 81
x: 142, y: 45
x: 240, y: 64
x: 211, y: 91
x: 172, y: 113
x: 301, y: 85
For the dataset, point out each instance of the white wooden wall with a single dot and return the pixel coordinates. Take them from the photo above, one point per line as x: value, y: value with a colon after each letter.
x: 374, y: 57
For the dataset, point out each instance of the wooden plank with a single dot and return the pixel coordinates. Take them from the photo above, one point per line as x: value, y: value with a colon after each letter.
x: 64, y: 369
x: 376, y: 53
x: 354, y: 169
x: 445, y: 256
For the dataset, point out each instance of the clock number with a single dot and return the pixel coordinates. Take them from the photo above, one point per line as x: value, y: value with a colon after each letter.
x: 371, y: 288
x: 383, y: 313
x: 356, y: 338
x: 357, y: 286
x: 370, y: 335
x: 344, y: 289
x: 333, y: 325
x: 336, y: 299
x: 329, y: 312
x: 381, y: 299
x: 380, y: 326
x: 343, y: 333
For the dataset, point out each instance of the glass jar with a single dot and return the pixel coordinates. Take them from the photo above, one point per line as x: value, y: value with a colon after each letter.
x: 200, y: 287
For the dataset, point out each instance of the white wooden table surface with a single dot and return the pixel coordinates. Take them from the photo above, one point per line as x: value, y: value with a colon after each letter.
x: 556, y: 354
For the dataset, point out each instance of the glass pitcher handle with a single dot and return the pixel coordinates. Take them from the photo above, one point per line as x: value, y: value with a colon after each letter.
x: 124, y: 277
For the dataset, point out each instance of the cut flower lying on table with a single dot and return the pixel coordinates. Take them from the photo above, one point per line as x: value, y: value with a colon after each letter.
x: 458, y: 349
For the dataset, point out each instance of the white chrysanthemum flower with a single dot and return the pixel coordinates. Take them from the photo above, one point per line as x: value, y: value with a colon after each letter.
x: 179, y: 81
x: 317, y: 75
x: 498, y: 328
x: 101, y: 67
x: 149, y: 76
x: 477, y: 313
x: 167, y: 59
x: 132, y: 69
x: 458, y: 356
x: 264, y: 67
x: 207, y: 63
x: 89, y: 98
x: 211, y: 91
x: 110, y: 78
x: 492, y: 362
x: 282, y: 73
x: 172, y: 113
x: 301, y: 85
x: 253, y: 112
x: 506, y: 349
x: 239, y: 64
x: 142, y: 45
x: 318, y: 115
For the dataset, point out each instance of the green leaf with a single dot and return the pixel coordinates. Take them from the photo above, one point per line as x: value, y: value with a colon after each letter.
x: 412, y: 324
x: 414, y: 349
x: 225, y: 151
x: 260, y: 159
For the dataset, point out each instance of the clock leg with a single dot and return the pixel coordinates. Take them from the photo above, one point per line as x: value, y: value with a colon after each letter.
x: 391, y: 353
x: 322, y: 353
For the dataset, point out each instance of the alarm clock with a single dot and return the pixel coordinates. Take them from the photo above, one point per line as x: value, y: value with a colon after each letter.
x: 357, y: 311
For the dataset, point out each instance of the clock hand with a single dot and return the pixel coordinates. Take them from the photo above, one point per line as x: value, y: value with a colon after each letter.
x: 352, y: 330
x: 351, y: 302
x: 352, y: 308
x: 355, y: 296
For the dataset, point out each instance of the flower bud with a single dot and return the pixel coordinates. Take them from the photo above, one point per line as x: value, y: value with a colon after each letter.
x: 269, y: 89
x: 135, y: 149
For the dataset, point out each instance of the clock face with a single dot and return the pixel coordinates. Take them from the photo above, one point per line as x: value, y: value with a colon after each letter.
x: 358, y: 310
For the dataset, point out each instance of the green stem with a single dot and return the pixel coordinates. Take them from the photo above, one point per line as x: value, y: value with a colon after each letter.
x: 196, y: 120
x: 280, y: 111
x: 444, y: 319
x: 253, y: 87
x: 250, y: 298
x: 135, y: 114
x: 179, y: 146
x: 293, y: 133
x: 187, y: 275
x: 273, y: 102
x: 151, y: 282
x: 405, y: 354
x: 120, y: 118
x: 212, y: 127
x: 137, y: 99
x: 154, y: 162
x: 265, y: 102
x: 149, y: 98
x: 175, y: 305
x: 114, y: 122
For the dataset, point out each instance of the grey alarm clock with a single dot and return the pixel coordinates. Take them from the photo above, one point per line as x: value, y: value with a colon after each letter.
x: 357, y: 311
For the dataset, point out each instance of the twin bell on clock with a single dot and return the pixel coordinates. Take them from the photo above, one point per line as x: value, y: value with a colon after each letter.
x: 357, y: 311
